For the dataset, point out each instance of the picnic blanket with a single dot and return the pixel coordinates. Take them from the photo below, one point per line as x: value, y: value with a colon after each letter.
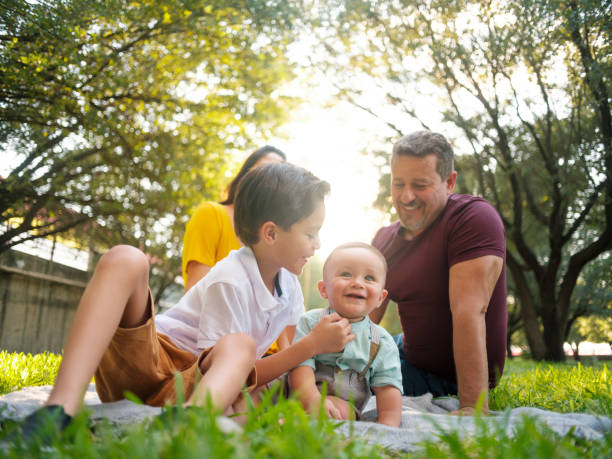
x: 423, y: 418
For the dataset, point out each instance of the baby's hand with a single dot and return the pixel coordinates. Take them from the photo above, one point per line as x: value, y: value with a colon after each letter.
x: 331, y: 334
x: 331, y: 411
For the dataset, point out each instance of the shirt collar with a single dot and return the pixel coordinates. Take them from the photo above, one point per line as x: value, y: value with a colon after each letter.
x: 263, y: 297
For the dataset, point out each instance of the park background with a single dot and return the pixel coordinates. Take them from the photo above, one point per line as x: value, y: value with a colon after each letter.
x: 117, y: 118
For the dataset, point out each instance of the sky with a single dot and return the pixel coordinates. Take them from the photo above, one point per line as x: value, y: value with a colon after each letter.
x: 329, y: 141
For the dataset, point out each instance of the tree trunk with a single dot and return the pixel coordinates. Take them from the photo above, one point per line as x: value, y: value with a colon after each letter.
x: 537, y: 346
x: 529, y: 314
x: 554, y: 334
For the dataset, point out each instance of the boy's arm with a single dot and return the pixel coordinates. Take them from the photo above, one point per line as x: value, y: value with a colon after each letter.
x: 330, y: 334
x: 388, y: 405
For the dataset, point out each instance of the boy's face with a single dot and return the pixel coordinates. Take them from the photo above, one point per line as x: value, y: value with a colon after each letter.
x: 298, y: 244
x: 353, y: 282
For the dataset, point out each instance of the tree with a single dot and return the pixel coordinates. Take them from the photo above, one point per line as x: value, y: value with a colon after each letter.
x: 123, y: 114
x: 526, y: 85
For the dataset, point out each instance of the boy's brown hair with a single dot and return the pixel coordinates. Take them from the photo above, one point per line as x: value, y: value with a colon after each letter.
x: 281, y: 192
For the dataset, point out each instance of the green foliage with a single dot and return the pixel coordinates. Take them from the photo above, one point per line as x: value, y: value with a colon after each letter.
x: 123, y: 115
x: 530, y: 439
x: 19, y: 370
x: 560, y: 387
x: 595, y: 329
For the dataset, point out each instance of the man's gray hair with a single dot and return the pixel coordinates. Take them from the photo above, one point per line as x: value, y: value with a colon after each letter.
x: 423, y: 143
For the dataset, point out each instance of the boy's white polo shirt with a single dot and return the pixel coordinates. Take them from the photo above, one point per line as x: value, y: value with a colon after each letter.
x: 232, y: 298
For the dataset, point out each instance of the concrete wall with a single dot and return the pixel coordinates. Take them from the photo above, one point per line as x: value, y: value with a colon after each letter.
x: 38, y: 300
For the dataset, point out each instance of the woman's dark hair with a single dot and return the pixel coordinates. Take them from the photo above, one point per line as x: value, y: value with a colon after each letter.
x: 246, y: 167
x: 279, y: 192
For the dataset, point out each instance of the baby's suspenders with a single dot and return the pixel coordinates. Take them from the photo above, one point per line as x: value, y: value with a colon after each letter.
x: 348, y: 384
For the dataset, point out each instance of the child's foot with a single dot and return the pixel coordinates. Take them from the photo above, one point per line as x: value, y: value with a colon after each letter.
x: 43, y: 425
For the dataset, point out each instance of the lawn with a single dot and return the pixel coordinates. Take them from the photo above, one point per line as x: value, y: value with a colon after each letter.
x: 565, y: 388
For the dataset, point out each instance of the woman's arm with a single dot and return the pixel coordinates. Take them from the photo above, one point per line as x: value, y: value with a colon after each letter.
x: 195, y: 272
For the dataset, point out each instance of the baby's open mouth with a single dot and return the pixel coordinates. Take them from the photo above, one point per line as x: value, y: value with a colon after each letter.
x: 354, y: 295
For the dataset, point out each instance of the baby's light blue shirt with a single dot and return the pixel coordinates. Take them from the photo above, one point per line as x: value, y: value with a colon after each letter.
x: 384, y: 371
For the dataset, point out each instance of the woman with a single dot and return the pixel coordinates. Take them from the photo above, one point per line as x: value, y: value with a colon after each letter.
x: 209, y: 235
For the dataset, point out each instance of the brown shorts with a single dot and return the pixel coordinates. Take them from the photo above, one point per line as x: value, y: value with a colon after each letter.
x: 144, y: 362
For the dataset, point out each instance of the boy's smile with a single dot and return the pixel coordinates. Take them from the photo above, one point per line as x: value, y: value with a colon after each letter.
x: 353, y: 282
x: 295, y: 246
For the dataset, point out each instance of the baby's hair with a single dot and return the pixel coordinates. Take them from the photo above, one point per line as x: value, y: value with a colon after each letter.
x: 356, y: 245
x: 280, y: 192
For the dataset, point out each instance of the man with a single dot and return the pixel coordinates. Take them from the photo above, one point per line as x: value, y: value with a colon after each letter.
x: 446, y: 258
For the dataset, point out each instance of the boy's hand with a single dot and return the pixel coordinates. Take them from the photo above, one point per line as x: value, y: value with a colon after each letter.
x: 331, y: 334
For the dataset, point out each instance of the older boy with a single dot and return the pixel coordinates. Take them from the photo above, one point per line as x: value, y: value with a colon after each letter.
x: 353, y: 280
x: 223, y: 324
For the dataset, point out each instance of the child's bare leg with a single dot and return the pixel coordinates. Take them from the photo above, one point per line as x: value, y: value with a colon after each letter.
x: 224, y: 371
x: 239, y: 407
x: 117, y: 294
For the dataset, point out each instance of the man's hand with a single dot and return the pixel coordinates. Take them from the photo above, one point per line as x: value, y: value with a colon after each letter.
x: 331, y: 334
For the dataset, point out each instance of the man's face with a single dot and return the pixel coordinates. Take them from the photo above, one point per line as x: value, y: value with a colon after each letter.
x: 419, y: 193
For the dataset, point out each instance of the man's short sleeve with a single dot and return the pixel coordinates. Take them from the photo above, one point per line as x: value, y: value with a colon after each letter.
x: 386, y: 368
x: 477, y: 230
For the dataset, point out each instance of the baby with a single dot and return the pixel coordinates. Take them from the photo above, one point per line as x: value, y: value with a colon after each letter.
x: 353, y: 283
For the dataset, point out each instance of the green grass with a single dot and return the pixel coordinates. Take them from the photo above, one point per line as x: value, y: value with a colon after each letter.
x: 561, y: 387
x: 565, y: 388
x: 19, y: 370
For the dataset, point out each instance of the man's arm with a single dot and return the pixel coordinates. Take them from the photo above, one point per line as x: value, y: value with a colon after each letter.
x: 388, y: 405
x: 377, y: 314
x: 471, y: 285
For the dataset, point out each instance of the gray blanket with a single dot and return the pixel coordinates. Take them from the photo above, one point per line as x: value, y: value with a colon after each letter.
x: 423, y: 418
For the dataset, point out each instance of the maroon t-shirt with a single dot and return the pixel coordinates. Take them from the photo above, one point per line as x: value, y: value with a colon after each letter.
x: 417, y: 280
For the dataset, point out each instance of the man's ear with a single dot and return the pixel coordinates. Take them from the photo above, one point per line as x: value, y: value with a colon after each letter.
x: 322, y: 290
x: 450, y: 181
x: 268, y: 232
